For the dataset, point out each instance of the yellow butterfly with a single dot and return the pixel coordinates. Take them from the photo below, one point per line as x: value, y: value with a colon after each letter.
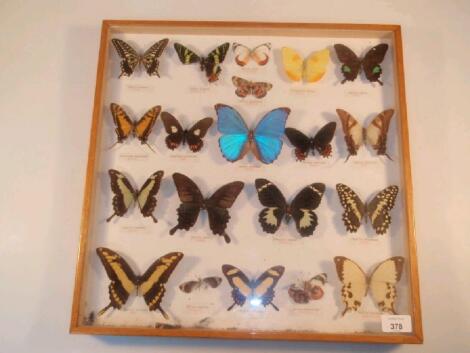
x: 310, y: 70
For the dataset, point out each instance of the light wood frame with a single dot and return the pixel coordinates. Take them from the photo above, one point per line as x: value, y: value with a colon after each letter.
x: 137, y: 26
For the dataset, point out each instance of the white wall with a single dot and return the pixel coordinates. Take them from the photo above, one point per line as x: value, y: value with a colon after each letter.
x: 48, y: 56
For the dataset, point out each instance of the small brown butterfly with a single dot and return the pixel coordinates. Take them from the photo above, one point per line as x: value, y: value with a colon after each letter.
x: 201, y: 283
x: 309, y: 290
x: 245, y: 87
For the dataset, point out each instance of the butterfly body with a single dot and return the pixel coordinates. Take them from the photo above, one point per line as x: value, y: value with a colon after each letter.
x: 321, y: 142
x: 210, y: 64
x: 125, y: 282
x: 125, y: 195
x: 130, y: 58
x: 257, y: 291
x: 178, y: 136
x: 377, y: 210
x: 301, y: 209
x: 375, y: 134
x: 370, y: 64
x: 381, y: 283
x: 265, y: 141
x: 246, y: 87
x: 244, y: 54
x: 217, y: 205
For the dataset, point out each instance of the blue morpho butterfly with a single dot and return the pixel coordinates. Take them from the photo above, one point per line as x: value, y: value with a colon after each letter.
x: 265, y: 141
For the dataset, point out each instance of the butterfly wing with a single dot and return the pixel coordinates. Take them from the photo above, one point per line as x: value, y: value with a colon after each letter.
x: 372, y: 60
x: 376, y: 132
x: 241, y: 286
x: 300, y: 141
x: 144, y: 126
x: 353, y: 135
x: 211, y: 64
x: 316, y: 65
x: 146, y: 198
x: 382, y: 283
x: 243, y: 86
x: 219, y: 203
x: 354, y: 208
x: 263, y: 287
x: 260, y: 54
x: 260, y: 89
x: 213, y: 281
x: 191, y: 202
x: 150, y: 57
x: 292, y: 63
x: 124, y: 193
x: 242, y: 53
x: 351, y: 64
x: 268, y: 135
x: 123, y: 280
x: 122, y: 122
x: 196, y: 133
x: 152, y: 282
x: 307, y: 200
x: 174, y: 130
x: 378, y: 210
x: 234, y: 132
x: 322, y: 140
x: 186, y: 56
x: 189, y: 286
x: 275, y: 205
x: 354, y: 283
x: 130, y: 58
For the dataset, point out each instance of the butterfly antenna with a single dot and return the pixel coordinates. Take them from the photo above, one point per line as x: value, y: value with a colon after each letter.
x: 231, y: 306
x: 165, y: 315
x: 274, y: 306
x: 386, y: 154
x: 114, y: 144
x: 102, y: 311
x: 226, y: 238
x: 110, y: 217
x: 174, y: 229
x: 151, y: 149
x: 154, y: 219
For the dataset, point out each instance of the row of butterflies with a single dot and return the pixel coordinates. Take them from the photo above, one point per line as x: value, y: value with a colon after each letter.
x: 260, y: 291
x: 312, y: 69
x: 264, y: 141
x: 301, y: 208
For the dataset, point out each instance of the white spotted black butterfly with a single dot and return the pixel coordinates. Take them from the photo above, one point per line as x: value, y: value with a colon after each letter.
x: 277, y: 208
x: 130, y: 58
x: 377, y: 210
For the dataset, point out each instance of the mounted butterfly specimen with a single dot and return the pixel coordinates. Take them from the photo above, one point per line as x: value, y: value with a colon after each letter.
x: 209, y: 64
x: 130, y: 58
x: 321, y: 142
x: 310, y: 70
x: 244, y: 54
x: 265, y: 141
x: 258, y: 291
x: 301, y: 208
x: 124, y: 282
x: 306, y: 291
x: 352, y: 65
x: 177, y: 135
x: 381, y: 283
x: 192, y: 202
x: 375, y: 134
x: 201, y: 283
x: 140, y: 129
x: 377, y: 210
x: 125, y: 195
x: 246, y: 87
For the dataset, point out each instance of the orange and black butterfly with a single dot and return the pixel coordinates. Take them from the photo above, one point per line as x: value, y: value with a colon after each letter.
x: 124, y: 282
x: 192, y: 202
x: 130, y: 58
x: 201, y: 283
x: 210, y: 64
x: 126, y: 127
x: 246, y: 87
x: 177, y: 135
x: 257, y: 292
x: 321, y: 142
x: 125, y: 195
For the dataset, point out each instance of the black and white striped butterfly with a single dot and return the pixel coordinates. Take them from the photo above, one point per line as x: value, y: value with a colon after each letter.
x: 277, y: 208
x: 377, y: 210
x: 130, y: 58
